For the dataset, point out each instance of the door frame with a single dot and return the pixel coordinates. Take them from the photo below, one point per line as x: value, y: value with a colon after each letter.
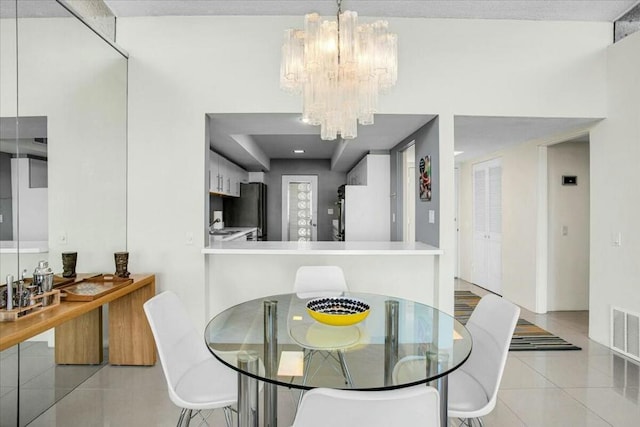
x: 288, y: 179
x: 408, y: 227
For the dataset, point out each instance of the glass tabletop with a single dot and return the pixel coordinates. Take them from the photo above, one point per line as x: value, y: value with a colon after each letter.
x: 399, y: 343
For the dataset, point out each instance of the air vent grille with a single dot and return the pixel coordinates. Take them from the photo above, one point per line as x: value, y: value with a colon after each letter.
x: 625, y: 332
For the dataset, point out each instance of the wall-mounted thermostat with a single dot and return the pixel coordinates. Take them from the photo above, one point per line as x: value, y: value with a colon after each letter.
x: 569, y: 180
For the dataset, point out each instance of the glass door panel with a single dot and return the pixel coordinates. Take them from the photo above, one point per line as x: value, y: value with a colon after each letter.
x: 299, y: 208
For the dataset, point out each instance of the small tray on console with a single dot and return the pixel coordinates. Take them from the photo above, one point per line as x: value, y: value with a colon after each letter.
x: 93, y: 287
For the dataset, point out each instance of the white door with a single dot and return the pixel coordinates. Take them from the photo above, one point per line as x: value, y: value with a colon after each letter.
x: 299, y: 208
x: 487, y: 225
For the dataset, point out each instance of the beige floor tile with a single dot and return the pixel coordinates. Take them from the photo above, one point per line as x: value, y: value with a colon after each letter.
x: 549, y: 408
x: 129, y: 377
x: 110, y: 407
x: 569, y: 370
x: 500, y: 416
x: 518, y: 374
x: 618, y: 407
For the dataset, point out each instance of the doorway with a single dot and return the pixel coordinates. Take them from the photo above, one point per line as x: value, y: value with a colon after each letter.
x: 409, y: 191
x: 299, y: 208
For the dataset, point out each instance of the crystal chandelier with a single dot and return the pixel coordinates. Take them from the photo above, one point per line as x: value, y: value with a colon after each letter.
x: 339, y: 68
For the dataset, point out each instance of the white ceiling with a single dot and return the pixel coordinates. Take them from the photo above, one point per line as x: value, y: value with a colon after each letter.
x: 277, y: 135
x: 557, y: 10
x: 477, y: 136
x: 547, y: 10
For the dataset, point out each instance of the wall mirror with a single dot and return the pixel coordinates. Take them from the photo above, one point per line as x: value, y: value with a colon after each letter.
x: 63, y: 174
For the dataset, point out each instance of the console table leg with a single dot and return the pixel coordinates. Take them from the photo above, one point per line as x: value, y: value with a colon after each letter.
x: 79, y: 340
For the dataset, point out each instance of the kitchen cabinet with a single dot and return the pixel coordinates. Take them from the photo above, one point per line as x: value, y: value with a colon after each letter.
x: 225, y: 177
x: 215, y: 185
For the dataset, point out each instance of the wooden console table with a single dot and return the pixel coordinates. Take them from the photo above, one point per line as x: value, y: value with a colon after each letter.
x: 79, y: 327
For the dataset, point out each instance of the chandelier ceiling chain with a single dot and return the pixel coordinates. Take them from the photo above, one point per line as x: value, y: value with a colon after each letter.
x: 339, y: 67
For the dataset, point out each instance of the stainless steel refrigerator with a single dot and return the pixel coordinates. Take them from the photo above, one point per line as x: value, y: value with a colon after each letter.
x: 248, y: 210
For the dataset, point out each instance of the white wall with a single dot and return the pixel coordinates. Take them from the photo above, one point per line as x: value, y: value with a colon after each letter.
x: 568, y: 267
x: 184, y: 67
x: 615, y: 184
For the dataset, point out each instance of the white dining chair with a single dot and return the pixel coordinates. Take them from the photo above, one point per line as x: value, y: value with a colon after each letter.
x: 473, y: 388
x: 195, y: 379
x: 406, y: 407
x: 315, y: 281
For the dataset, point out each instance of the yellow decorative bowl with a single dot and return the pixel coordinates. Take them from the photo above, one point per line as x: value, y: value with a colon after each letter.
x: 338, y: 311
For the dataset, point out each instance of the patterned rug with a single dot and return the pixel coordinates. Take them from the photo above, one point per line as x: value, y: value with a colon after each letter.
x: 527, y: 336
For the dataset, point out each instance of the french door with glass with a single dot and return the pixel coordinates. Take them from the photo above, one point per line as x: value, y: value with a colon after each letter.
x: 299, y: 208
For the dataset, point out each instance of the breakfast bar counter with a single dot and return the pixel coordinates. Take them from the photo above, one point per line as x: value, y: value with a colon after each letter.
x: 239, y: 271
x: 326, y: 248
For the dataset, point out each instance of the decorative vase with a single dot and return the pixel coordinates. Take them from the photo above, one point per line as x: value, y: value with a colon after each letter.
x: 122, y: 260
x: 69, y: 260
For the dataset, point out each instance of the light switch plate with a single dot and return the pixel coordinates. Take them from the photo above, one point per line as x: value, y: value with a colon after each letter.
x: 330, y: 211
x: 616, y: 239
x: 432, y: 217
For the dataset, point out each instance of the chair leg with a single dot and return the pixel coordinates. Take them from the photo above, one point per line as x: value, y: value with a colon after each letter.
x: 181, y: 418
x: 227, y: 416
x: 185, y: 417
x: 345, y: 369
x: 480, y: 422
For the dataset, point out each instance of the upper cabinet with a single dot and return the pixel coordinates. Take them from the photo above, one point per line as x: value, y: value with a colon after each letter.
x: 373, y: 169
x: 358, y: 175
x: 225, y: 177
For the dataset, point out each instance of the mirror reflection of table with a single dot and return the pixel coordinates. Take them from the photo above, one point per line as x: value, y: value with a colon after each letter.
x: 267, y: 339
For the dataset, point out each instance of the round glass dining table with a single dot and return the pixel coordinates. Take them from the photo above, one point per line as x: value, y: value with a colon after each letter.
x: 400, y: 343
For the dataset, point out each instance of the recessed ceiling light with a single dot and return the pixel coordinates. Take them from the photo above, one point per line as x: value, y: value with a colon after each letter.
x: 298, y: 151
x: 455, y: 153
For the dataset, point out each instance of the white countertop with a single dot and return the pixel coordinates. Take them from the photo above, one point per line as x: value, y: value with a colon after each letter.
x: 30, y: 247
x: 236, y: 232
x: 324, y: 248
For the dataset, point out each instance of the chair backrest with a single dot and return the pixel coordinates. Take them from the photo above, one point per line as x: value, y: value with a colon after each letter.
x: 179, y: 345
x: 319, y: 281
x: 407, y: 407
x: 491, y: 326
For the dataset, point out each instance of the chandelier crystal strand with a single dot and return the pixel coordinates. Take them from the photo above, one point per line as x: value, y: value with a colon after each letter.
x: 339, y: 67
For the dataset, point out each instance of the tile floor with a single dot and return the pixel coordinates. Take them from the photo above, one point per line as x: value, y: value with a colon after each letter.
x: 592, y: 387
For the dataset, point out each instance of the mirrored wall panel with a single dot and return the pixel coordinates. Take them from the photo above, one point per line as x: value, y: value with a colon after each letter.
x: 63, y: 176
